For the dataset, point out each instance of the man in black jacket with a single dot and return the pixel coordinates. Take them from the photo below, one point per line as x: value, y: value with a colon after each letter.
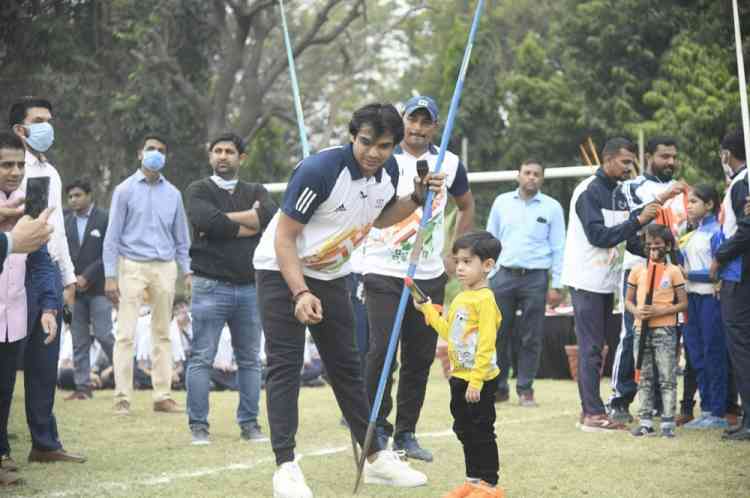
x: 734, y: 257
x: 85, y: 227
x: 227, y: 216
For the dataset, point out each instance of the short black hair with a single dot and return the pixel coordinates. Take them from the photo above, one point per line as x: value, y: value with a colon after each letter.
x: 735, y: 144
x: 20, y: 108
x: 9, y: 140
x: 707, y: 192
x: 665, y: 140
x: 660, y: 232
x: 481, y: 243
x: 228, y: 136
x: 80, y: 183
x: 531, y: 160
x: 383, y: 118
x: 614, y: 145
x: 155, y: 136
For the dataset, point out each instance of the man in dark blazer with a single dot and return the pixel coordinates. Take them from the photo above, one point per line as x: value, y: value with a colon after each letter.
x: 85, y: 227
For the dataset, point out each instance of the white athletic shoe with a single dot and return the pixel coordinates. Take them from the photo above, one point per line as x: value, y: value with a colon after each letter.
x: 390, y: 470
x: 288, y: 482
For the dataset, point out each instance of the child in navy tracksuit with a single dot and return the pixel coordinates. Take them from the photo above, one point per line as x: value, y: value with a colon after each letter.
x: 703, y: 333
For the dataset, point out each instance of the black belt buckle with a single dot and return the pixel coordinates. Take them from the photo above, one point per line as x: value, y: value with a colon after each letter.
x: 517, y: 272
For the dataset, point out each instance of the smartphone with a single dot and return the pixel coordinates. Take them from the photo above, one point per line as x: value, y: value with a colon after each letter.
x: 37, y: 195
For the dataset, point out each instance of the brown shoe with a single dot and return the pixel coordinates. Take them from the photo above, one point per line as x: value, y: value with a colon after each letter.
x: 60, y: 455
x: 732, y: 419
x: 7, y: 463
x: 8, y: 478
x: 167, y: 406
x: 526, y: 400
x: 79, y: 395
x: 600, y: 423
x: 122, y: 407
x: 683, y: 419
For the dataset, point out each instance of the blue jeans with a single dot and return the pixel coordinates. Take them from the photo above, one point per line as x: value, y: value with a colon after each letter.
x: 215, y: 303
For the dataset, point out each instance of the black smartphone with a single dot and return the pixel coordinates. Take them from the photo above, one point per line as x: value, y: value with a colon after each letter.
x: 37, y: 195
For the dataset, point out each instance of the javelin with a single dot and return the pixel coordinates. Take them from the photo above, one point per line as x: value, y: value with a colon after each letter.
x: 295, y: 86
x: 417, y: 249
x: 743, y: 82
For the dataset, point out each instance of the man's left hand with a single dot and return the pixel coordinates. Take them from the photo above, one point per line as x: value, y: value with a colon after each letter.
x: 69, y: 295
x: 49, y: 325
x: 554, y: 298
x: 189, y: 283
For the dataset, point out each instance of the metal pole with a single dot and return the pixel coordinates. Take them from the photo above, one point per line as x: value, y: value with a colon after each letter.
x: 417, y: 249
x: 295, y: 86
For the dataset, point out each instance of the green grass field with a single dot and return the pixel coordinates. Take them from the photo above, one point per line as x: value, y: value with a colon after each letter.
x: 541, y: 452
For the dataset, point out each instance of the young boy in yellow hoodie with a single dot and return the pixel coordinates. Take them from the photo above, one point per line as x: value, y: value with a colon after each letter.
x: 471, y: 332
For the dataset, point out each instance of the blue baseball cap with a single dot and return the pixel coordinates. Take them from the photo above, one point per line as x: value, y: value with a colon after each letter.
x: 421, y: 102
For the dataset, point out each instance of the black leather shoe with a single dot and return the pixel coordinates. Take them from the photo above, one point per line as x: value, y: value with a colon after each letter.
x: 743, y: 434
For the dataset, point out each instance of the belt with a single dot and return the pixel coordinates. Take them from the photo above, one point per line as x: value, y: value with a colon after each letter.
x: 519, y: 272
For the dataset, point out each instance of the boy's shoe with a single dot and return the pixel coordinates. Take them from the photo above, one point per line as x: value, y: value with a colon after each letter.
x: 526, y: 400
x: 461, y: 491
x: 252, y: 432
x: 620, y: 415
x: 484, y: 490
x: 390, y: 470
x: 600, y: 423
x: 668, y: 432
x: 643, y: 431
x: 200, y: 436
x: 289, y: 482
x: 407, y: 443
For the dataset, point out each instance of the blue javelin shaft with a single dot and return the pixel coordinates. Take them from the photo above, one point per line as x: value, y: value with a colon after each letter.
x: 426, y: 215
x: 295, y: 86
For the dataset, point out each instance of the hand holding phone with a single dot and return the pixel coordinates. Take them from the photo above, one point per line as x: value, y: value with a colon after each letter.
x: 37, y: 195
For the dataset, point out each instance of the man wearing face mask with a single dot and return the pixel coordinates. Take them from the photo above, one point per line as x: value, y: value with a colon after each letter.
x: 147, y: 239
x: 600, y: 222
x: 29, y: 119
x: 657, y: 184
x: 227, y: 216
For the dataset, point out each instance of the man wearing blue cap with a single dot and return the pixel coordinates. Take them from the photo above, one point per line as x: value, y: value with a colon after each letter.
x: 385, y: 264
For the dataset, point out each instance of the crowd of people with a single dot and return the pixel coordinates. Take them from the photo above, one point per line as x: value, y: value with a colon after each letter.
x: 327, y: 267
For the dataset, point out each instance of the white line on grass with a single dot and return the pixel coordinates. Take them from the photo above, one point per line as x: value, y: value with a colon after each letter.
x: 159, y: 480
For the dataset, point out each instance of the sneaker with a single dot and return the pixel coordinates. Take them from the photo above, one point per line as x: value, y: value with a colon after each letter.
x: 390, y: 470
x: 122, y: 407
x: 484, y: 490
x: 711, y: 422
x: 501, y: 396
x: 526, y: 400
x: 252, y: 432
x: 643, y: 431
x: 289, y: 482
x: 408, y: 443
x: 696, y: 422
x: 621, y: 415
x: 600, y: 423
x: 667, y: 432
x: 200, y: 436
x: 167, y: 406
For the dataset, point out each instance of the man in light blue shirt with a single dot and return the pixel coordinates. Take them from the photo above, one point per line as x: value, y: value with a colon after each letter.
x: 147, y: 238
x: 531, y: 227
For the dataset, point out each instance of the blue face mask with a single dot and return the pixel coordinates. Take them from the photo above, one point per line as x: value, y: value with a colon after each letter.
x: 41, y: 136
x: 153, y: 160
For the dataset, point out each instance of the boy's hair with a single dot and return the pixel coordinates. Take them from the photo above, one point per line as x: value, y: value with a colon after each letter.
x: 79, y: 183
x: 10, y: 140
x: 481, y: 243
x: 21, y: 107
x: 662, y: 232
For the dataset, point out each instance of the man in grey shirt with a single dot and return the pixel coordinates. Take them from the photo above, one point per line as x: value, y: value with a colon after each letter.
x: 147, y: 238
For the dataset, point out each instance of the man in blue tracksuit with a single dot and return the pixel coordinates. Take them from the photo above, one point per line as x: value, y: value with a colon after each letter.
x: 733, y: 256
x: 600, y: 223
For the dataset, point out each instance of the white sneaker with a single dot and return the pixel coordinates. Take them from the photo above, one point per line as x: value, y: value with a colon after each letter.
x: 390, y: 470
x: 288, y: 482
